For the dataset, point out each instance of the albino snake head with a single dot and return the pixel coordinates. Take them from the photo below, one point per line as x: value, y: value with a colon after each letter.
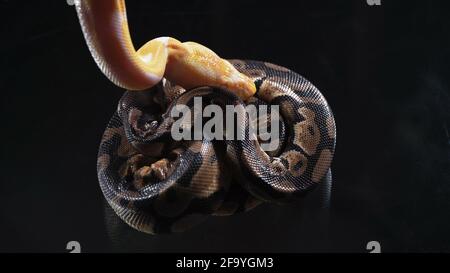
x: 105, y: 28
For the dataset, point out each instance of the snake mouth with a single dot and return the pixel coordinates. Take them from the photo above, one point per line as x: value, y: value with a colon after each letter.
x: 140, y: 171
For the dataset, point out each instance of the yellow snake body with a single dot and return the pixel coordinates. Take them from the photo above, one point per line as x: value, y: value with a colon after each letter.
x: 105, y: 27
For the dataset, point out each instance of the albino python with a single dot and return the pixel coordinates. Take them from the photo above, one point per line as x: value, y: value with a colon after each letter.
x: 159, y: 185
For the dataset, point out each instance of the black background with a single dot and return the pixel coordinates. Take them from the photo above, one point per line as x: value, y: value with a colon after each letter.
x: 383, y: 69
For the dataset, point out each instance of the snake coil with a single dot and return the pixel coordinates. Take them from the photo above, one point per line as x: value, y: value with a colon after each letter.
x: 158, y: 185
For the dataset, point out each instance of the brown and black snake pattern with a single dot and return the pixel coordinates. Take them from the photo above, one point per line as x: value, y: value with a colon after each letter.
x: 158, y: 185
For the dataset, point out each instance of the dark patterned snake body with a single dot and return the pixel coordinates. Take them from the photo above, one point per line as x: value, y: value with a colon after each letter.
x: 158, y: 185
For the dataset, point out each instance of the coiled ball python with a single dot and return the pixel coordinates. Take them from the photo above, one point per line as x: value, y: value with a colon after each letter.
x: 159, y: 185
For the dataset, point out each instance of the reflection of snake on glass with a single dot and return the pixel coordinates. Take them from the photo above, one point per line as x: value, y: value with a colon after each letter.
x: 158, y: 185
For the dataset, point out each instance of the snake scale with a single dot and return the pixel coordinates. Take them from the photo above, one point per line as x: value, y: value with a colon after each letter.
x: 158, y: 185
